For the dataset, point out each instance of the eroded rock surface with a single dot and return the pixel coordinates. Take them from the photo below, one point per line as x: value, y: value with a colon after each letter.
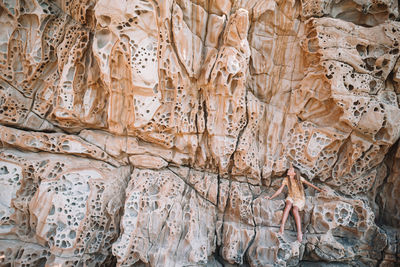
x: 148, y: 133
x: 67, y: 206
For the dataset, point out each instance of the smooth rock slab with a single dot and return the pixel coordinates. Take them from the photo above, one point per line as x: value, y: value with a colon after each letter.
x: 165, y: 222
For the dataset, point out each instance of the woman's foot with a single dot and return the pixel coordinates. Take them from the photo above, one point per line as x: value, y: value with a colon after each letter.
x: 300, y: 237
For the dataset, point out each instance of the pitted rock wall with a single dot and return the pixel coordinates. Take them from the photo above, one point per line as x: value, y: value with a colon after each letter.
x: 148, y: 133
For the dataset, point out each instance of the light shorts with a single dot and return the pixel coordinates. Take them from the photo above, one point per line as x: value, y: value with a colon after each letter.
x: 299, y: 203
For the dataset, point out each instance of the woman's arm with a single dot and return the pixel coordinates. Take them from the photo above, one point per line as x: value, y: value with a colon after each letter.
x: 313, y: 186
x: 277, y: 192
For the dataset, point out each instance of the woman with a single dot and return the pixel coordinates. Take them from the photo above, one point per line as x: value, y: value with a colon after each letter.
x: 296, y: 198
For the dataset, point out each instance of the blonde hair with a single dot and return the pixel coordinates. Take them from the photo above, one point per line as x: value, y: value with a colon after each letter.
x: 297, y: 178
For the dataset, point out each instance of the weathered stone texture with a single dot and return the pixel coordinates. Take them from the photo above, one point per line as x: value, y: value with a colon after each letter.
x: 148, y: 133
x: 65, y: 205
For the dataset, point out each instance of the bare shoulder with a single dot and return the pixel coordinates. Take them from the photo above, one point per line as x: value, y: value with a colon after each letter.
x: 302, y: 179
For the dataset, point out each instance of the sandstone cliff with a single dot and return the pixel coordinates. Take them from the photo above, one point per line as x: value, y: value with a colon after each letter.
x: 149, y: 132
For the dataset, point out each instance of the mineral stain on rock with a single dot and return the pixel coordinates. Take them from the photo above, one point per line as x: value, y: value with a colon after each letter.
x: 150, y: 132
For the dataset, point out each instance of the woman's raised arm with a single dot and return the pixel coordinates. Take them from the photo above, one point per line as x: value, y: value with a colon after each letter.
x: 277, y: 192
x: 313, y: 186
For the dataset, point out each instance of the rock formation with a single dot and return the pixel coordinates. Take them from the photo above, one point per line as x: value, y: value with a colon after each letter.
x: 149, y: 132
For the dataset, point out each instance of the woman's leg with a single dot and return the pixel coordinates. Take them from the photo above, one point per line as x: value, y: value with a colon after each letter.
x: 298, y: 223
x: 285, y: 215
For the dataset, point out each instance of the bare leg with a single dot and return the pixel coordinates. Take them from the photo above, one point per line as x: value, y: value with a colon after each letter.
x: 298, y: 223
x: 285, y: 215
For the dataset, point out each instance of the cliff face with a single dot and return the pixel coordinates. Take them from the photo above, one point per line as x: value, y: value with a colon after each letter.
x: 149, y: 132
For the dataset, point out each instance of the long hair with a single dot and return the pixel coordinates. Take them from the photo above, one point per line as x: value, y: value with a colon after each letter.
x: 297, y: 179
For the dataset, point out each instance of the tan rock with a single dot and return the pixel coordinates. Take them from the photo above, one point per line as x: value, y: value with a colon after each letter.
x: 54, y: 143
x: 368, y: 13
x: 161, y: 209
x: 65, y: 208
x: 388, y: 197
x: 203, y: 104
x: 147, y: 162
x: 20, y: 253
